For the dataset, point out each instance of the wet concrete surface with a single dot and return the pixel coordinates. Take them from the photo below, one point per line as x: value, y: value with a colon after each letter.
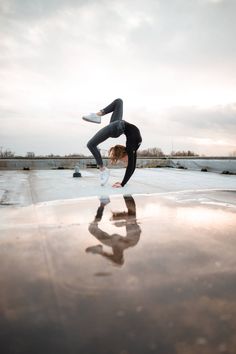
x: 120, y: 274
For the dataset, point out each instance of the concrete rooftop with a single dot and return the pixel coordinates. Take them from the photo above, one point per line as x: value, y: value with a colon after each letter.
x: 149, y: 268
x: 30, y: 187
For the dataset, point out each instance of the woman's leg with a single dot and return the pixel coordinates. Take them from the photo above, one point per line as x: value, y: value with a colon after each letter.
x: 102, y: 135
x: 116, y: 107
x: 112, y: 130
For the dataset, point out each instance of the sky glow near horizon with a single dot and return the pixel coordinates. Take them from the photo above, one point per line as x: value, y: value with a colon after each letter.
x: 173, y: 62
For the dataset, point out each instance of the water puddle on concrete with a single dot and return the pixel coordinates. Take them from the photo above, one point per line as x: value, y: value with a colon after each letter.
x: 119, y: 274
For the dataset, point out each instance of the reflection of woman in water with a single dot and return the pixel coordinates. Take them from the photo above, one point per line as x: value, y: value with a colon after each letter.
x: 117, y: 242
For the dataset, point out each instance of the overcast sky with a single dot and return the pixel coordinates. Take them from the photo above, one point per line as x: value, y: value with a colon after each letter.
x: 173, y: 62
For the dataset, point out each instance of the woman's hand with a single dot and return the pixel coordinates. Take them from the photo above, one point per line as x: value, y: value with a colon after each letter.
x: 117, y: 185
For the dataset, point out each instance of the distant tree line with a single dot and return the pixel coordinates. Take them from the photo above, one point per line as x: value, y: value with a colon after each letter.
x: 150, y: 152
x: 6, y: 153
x: 157, y: 152
x: 183, y: 153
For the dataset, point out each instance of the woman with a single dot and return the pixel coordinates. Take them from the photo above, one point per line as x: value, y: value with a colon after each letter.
x: 117, y: 126
x: 117, y: 242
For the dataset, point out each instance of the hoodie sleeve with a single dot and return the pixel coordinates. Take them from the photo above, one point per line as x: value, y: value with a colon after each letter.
x: 132, y: 156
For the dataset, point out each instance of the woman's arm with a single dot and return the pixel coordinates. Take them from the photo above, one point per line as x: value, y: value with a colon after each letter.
x: 132, y: 156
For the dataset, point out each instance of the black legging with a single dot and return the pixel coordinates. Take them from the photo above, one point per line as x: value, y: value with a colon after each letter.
x: 112, y: 130
x: 116, y: 107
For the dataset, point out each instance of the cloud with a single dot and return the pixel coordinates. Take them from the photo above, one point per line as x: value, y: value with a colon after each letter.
x: 217, y: 122
x: 167, y: 60
x: 31, y: 10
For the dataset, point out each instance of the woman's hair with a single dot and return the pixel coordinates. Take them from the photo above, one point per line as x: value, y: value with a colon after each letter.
x: 116, y: 153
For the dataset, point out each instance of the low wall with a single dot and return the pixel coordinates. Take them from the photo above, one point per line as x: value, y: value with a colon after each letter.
x: 69, y: 163
x: 214, y: 164
x: 208, y: 164
x: 43, y: 163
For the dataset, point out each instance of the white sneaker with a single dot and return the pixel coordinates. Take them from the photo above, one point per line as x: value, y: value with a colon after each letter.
x: 104, y: 176
x: 104, y: 200
x: 92, y: 117
x: 94, y: 249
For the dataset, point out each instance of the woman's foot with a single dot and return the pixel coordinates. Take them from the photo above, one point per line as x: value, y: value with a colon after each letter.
x: 104, y: 200
x: 104, y: 176
x: 93, y: 117
x: 94, y: 249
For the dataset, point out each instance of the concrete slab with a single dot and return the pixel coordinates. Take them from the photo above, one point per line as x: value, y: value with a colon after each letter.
x: 149, y: 268
x: 29, y: 187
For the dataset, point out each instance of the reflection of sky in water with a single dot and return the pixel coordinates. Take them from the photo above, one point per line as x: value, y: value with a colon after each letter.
x: 175, y: 292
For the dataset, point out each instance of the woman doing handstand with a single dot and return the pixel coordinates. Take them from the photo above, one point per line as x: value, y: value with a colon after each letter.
x: 114, y: 129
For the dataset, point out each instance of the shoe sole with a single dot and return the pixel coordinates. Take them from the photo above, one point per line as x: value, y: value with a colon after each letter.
x: 91, y: 121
